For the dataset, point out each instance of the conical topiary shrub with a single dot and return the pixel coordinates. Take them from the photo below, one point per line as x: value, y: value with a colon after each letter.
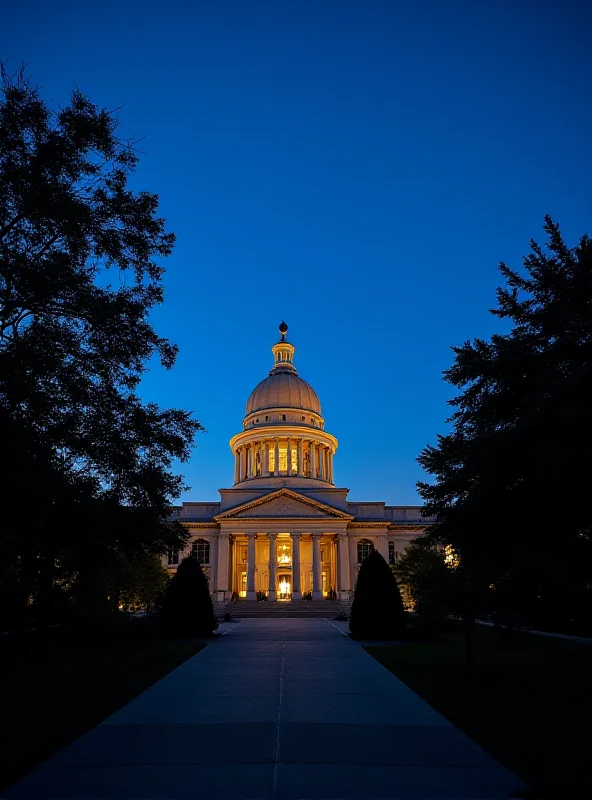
x: 377, y: 611
x: 187, y: 610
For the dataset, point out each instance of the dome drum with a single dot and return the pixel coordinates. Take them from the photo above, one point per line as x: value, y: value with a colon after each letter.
x: 283, y: 415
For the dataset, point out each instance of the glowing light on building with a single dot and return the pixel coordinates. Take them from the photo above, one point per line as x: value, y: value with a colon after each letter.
x: 451, y: 558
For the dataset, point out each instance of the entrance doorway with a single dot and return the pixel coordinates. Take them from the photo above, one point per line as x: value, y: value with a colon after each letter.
x: 284, y: 587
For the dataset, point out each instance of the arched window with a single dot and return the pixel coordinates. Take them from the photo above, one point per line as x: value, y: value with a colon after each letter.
x: 365, y: 547
x: 200, y: 551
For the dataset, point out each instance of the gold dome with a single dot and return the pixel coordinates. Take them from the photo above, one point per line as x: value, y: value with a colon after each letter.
x: 283, y: 389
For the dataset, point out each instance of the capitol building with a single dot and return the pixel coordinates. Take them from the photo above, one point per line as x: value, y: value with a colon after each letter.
x: 284, y: 529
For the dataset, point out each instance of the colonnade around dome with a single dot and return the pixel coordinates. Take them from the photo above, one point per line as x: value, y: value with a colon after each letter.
x: 285, y: 455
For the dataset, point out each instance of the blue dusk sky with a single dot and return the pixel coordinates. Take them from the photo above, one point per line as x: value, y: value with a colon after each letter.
x: 358, y: 169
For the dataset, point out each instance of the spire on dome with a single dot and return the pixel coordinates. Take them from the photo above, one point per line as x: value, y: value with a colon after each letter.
x: 283, y: 353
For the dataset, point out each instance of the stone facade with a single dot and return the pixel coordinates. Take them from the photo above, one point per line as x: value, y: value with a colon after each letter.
x: 284, y: 528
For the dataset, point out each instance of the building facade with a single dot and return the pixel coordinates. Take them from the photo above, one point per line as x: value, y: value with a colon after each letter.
x: 284, y: 528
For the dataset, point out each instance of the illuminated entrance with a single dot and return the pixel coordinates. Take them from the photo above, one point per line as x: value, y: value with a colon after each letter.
x: 284, y: 587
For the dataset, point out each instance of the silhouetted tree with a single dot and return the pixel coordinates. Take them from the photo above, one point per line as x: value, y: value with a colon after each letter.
x: 432, y: 584
x: 377, y: 610
x: 79, y: 274
x: 187, y: 609
x: 511, y: 475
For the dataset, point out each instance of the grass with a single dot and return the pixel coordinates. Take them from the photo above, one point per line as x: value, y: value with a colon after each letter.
x: 54, y: 690
x: 529, y: 703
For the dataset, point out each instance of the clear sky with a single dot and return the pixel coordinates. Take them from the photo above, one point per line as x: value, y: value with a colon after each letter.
x: 358, y: 169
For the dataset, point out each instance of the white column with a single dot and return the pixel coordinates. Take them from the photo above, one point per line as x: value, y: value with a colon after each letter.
x: 312, y: 459
x: 289, y: 458
x: 236, y: 467
x: 321, y: 462
x: 331, y: 465
x: 272, y: 594
x: 276, y: 470
x: 300, y: 464
x: 265, y: 466
x: 343, y: 569
x: 296, y: 592
x: 223, y: 566
x: 317, y: 584
x: 244, y: 462
x: 251, y: 567
x: 213, y: 566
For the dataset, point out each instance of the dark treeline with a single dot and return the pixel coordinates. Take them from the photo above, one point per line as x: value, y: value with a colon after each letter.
x: 511, y: 478
x: 87, y: 478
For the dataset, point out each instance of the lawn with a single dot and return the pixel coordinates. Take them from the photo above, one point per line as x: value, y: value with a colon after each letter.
x: 54, y: 690
x: 529, y: 703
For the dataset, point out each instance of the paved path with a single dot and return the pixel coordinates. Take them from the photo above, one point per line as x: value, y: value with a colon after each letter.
x: 278, y: 710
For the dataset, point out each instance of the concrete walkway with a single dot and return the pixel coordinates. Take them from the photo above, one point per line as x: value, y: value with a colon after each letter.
x: 275, y: 709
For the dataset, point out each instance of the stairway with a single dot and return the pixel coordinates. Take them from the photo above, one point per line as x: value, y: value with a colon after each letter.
x: 244, y: 609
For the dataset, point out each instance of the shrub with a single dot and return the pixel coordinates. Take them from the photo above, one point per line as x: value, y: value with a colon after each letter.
x: 377, y: 610
x: 261, y: 596
x: 187, y: 610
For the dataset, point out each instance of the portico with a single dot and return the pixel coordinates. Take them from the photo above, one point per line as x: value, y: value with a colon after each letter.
x: 283, y: 557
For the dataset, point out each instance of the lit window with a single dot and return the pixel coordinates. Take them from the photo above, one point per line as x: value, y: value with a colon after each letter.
x: 272, y: 459
x: 200, y: 551
x: 283, y: 459
x: 365, y: 547
x: 284, y: 557
x: 173, y: 557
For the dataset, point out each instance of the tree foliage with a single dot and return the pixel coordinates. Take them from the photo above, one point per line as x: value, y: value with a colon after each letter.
x: 377, y: 610
x: 80, y: 271
x: 432, y: 584
x: 512, y: 475
x: 187, y: 610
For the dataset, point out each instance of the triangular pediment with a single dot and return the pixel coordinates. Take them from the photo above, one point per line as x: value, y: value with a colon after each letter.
x: 283, y: 503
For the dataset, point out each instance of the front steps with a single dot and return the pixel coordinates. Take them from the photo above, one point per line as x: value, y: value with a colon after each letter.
x: 245, y: 609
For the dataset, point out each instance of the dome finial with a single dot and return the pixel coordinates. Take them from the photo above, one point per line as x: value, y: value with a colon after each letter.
x: 283, y: 330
